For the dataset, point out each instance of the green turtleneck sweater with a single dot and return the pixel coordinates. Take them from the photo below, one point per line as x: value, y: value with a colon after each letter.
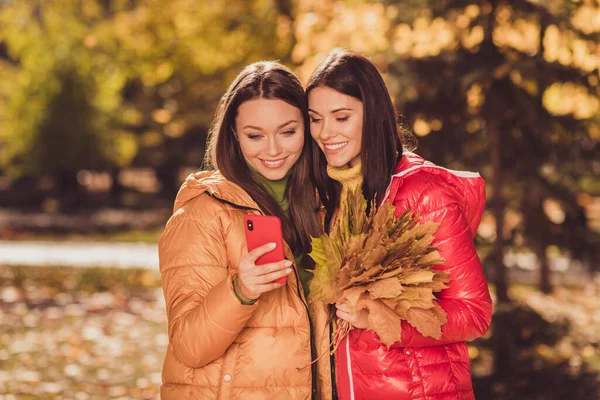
x: 277, y: 190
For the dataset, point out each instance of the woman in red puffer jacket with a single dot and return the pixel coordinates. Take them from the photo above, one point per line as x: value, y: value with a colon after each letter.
x: 353, y: 121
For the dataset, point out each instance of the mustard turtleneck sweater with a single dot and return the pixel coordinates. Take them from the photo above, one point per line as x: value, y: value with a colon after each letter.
x: 349, y: 177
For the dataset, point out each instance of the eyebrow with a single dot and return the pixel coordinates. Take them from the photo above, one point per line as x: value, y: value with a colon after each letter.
x: 279, y: 127
x: 332, y: 111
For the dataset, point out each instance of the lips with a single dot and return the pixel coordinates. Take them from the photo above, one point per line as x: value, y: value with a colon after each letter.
x: 333, y: 148
x: 273, y: 164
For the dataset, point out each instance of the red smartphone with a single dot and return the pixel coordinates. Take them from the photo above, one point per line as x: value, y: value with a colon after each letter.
x: 263, y: 229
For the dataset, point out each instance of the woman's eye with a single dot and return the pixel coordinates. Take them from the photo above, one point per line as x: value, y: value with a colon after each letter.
x: 289, y: 133
x: 342, y: 119
x: 314, y: 120
x: 254, y: 137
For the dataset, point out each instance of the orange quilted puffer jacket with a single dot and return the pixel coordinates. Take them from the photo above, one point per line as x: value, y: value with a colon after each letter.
x: 219, y: 348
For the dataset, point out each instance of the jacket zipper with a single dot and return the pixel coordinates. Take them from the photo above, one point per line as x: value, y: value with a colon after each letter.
x: 332, y: 364
x: 332, y: 360
x: 313, y: 366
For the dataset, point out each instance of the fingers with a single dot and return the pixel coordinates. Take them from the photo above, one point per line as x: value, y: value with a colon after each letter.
x: 343, y: 307
x: 268, y: 278
x: 345, y: 312
x: 272, y: 267
x: 258, y: 279
x: 359, y: 318
x: 259, y: 251
x: 253, y: 291
x: 345, y: 315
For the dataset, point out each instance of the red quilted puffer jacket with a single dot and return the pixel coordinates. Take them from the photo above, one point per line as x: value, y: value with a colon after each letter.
x: 418, y: 367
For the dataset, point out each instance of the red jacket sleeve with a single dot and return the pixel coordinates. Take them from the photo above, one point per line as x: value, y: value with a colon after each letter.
x: 467, y: 300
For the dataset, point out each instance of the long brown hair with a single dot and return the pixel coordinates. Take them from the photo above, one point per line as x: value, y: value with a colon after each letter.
x: 382, y: 136
x: 268, y: 80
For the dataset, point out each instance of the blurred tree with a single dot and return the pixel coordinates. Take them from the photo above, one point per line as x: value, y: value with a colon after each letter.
x: 182, y: 56
x: 156, y: 70
x: 68, y: 137
x: 60, y: 107
x: 504, y: 82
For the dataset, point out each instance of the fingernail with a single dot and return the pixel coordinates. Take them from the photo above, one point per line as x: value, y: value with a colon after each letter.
x: 288, y: 270
x: 272, y: 245
x: 288, y: 263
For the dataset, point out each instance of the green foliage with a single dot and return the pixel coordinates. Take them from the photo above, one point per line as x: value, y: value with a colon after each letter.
x: 64, y: 131
x: 151, y: 72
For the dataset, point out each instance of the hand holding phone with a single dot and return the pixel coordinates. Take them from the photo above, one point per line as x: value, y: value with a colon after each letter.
x: 264, y: 268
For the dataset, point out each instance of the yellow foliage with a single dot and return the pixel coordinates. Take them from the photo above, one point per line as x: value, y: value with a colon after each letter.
x: 569, y: 98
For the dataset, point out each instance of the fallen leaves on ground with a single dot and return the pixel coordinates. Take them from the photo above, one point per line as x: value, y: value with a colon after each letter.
x: 81, y: 334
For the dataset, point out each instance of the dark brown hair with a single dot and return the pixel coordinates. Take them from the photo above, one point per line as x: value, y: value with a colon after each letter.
x: 267, y: 80
x: 382, y: 145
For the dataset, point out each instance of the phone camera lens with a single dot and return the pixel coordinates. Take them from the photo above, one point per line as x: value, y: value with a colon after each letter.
x: 250, y: 226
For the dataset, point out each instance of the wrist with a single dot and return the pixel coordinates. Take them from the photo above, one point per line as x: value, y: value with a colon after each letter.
x: 244, y: 300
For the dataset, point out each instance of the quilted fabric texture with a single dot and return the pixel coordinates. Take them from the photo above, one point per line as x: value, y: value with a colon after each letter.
x: 417, y: 367
x: 219, y: 348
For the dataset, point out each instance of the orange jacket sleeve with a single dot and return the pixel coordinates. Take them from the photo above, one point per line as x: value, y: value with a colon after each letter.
x: 204, y: 314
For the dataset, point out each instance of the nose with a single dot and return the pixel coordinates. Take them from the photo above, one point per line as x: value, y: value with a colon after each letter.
x: 273, y: 148
x: 326, y: 131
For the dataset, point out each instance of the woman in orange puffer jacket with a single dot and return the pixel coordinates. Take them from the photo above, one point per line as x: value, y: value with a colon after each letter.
x: 354, y: 123
x: 233, y: 333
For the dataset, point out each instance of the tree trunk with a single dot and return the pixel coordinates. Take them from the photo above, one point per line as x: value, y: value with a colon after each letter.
x: 537, y: 227
x: 502, y: 328
x: 168, y: 176
x: 501, y: 280
x: 545, y: 273
x: 285, y: 9
x: 68, y: 190
x: 116, y: 189
x: 545, y: 283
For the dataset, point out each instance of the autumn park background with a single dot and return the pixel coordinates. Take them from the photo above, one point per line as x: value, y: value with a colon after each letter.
x: 105, y: 107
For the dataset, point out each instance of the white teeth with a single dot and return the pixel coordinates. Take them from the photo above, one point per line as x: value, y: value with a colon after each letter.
x: 335, y: 146
x: 274, y: 163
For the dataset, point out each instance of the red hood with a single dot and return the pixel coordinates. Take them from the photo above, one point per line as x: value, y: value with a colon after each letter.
x: 469, y: 183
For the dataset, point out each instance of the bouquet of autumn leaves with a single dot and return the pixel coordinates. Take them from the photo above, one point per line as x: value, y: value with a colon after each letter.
x: 383, y: 264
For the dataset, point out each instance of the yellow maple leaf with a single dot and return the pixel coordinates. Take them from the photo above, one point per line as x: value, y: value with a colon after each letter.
x: 385, y: 289
x: 384, y: 321
x: 426, y: 321
x: 381, y: 263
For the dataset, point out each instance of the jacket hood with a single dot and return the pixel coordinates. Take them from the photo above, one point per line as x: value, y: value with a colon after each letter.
x: 216, y: 185
x: 469, y: 184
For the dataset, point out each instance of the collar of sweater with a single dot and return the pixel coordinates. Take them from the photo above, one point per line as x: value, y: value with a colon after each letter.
x: 349, y: 177
x: 275, y: 188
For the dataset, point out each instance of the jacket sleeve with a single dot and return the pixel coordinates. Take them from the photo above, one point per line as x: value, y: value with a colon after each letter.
x: 467, y: 300
x: 204, y: 314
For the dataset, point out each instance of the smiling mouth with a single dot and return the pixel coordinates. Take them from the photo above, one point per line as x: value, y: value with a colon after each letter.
x: 273, y: 163
x: 335, y: 146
